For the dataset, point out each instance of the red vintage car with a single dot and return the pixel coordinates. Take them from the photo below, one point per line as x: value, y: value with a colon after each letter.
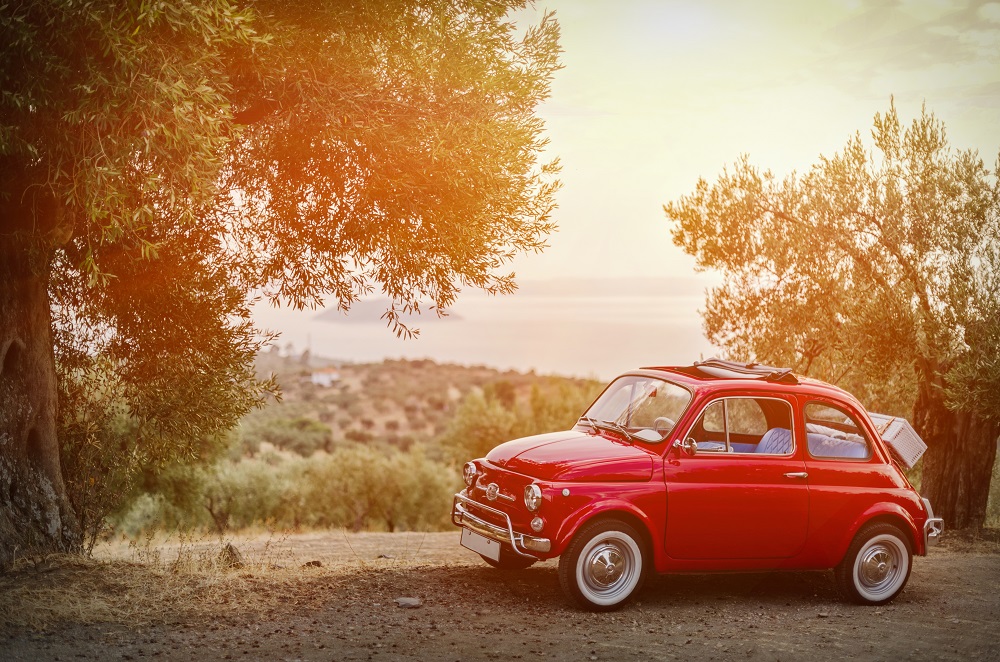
x: 712, y: 467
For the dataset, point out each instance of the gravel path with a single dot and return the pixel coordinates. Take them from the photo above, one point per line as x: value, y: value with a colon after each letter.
x: 949, y: 611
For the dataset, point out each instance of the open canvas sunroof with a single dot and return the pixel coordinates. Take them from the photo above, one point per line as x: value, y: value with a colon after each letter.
x: 720, y: 369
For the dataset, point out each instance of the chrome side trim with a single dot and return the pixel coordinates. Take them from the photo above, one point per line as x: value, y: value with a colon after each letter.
x: 933, y: 527
x: 521, y: 543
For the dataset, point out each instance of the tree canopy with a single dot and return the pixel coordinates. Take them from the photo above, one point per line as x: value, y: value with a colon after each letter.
x: 877, y: 269
x: 164, y: 165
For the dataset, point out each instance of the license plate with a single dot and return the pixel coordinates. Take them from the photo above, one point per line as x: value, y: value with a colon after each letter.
x: 481, y: 544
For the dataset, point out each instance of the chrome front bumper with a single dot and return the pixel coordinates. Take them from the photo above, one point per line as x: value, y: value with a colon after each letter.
x: 933, y: 527
x: 521, y: 543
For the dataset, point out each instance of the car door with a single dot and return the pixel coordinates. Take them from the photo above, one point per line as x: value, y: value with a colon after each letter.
x: 847, y: 475
x: 744, y: 493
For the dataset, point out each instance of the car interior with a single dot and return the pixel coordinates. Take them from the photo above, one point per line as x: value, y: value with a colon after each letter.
x: 745, y: 425
x: 764, y: 426
x: 833, y: 433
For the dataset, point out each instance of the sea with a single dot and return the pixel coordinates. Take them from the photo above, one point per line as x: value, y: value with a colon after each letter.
x: 569, y: 327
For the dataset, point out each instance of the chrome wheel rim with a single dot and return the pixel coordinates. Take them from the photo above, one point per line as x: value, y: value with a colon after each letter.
x: 609, y: 568
x: 880, y: 567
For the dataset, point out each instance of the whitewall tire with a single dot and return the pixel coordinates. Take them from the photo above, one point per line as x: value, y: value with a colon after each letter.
x: 877, y: 565
x: 604, y: 566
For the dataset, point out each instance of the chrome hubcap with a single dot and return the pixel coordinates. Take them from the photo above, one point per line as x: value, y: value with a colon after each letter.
x: 879, y: 566
x: 606, y: 565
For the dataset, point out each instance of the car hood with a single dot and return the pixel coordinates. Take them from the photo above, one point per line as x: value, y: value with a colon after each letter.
x: 574, y: 455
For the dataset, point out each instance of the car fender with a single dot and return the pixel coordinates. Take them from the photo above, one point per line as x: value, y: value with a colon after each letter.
x: 571, y: 524
x: 889, y: 511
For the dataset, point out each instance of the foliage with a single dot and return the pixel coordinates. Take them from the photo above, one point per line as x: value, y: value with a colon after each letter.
x: 124, y: 414
x: 355, y: 487
x: 876, y: 270
x: 489, y: 418
x: 166, y: 163
x: 396, y: 402
x: 384, y: 482
x: 480, y: 424
x: 359, y: 487
x: 100, y: 470
x: 298, y: 435
x: 872, y: 260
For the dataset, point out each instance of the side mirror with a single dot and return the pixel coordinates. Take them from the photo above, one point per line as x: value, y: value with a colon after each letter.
x: 689, y: 445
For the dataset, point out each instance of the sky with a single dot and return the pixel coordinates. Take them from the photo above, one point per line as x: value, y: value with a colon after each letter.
x: 656, y: 94
x: 652, y: 96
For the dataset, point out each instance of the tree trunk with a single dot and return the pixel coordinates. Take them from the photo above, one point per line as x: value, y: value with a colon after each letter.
x: 35, y: 515
x: 220, y: 516
x: 958, y: 465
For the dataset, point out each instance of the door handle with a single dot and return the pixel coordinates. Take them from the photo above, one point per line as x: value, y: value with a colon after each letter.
x: 797, y: 474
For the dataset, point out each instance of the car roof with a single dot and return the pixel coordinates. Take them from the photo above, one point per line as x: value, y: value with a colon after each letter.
x: 715, y: 374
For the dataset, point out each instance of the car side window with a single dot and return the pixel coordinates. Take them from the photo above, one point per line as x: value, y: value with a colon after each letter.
x: 744, y: 416
x: 745, y: 425
x: 714, y: 418
x: 833, y: 433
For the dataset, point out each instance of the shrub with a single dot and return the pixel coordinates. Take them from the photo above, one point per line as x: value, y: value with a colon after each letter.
x: 299, y: 435
x: 359, y: 436
x: 494, y: 416
x: 360, y: 487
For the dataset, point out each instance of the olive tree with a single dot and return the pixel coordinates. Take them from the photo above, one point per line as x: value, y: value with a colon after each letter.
x: 877, y: 269
x: 164, y: 165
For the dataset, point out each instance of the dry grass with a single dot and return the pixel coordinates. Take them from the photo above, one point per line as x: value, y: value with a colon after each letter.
x: 193, y: 585
x: 183, y: 579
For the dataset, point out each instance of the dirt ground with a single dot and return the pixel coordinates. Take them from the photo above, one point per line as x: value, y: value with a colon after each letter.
x: 345, y: 609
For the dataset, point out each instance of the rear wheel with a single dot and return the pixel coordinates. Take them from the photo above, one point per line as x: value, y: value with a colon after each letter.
x: 510, y: 560
x: 877, y: 565
x: 604, y: 566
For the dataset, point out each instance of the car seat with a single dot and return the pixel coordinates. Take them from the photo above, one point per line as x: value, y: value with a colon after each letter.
x: 776, y: 441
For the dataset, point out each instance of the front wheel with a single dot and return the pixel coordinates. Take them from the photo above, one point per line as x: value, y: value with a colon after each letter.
x: 604, y: 566
x: 876, y: 566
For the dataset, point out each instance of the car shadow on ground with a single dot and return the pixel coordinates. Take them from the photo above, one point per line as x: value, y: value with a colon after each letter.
x: 540, y: 586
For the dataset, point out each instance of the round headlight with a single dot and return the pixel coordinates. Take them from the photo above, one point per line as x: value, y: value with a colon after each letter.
x: 532, y: 497
x: 469, y: 473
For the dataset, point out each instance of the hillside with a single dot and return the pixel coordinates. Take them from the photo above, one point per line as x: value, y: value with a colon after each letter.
x: 325, y: 403
x: 318, y: 457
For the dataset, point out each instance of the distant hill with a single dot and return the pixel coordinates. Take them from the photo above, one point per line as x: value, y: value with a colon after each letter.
x: 395, y: 402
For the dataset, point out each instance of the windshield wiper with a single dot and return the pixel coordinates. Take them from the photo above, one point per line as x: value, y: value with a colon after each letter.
x: 620, y: 428
x: 608, y: 425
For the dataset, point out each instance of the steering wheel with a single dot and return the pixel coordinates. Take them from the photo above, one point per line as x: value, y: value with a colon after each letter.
x: 668, y: 424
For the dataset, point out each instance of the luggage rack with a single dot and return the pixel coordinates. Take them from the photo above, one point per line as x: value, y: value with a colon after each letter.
x: 720, y: 369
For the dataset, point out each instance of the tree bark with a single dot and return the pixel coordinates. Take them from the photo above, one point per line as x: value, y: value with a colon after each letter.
x: 958, y: 465
x: 35, y: 514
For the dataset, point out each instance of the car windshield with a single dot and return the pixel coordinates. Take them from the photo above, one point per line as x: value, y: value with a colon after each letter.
x: 637, y: 402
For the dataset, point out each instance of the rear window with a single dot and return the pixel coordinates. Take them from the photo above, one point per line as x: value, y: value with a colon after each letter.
x: 833, y: 433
